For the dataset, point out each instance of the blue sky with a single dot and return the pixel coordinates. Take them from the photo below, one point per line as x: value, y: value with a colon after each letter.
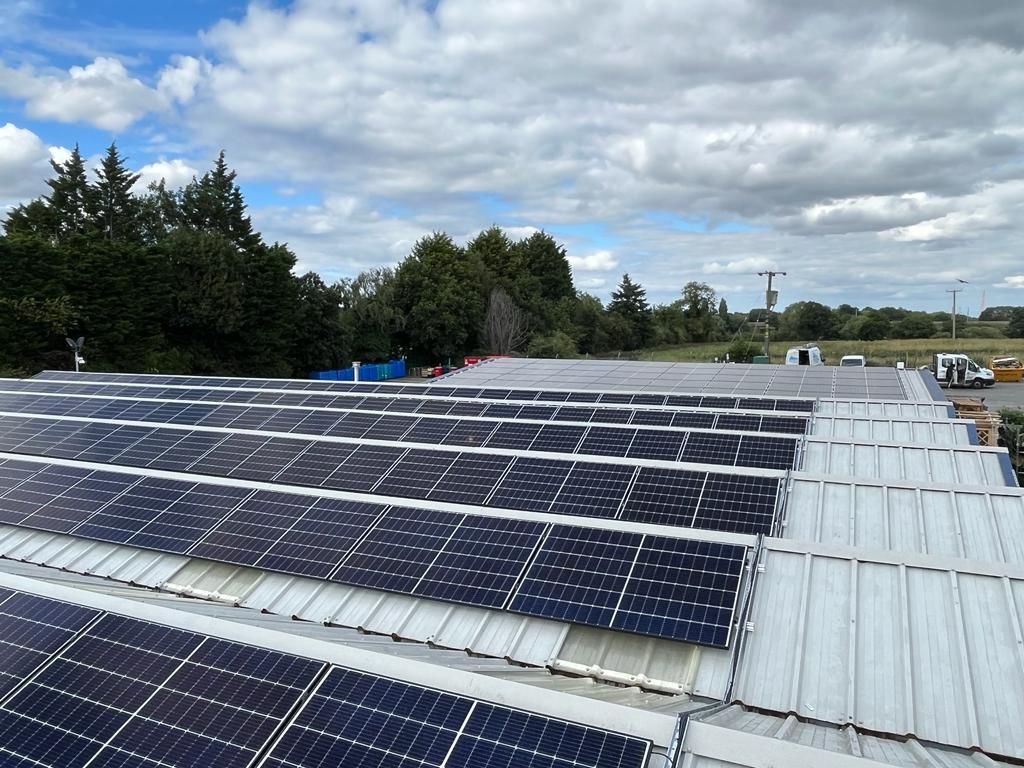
x: 873, y: 155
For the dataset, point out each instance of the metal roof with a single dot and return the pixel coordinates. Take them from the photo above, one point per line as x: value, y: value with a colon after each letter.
x: 895, y: 643
x: 728, y: 379
x: 973, y: 522
x: 888, y: 408
x: 900, y: 429
x: 971, y: 465
x: 734, y: 737
x: 650, y: 663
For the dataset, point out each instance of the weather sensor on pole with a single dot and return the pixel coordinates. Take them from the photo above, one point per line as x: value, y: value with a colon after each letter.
x: 76, y: 350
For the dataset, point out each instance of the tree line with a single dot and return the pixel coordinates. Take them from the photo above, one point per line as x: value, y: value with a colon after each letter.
x: 179, y: 281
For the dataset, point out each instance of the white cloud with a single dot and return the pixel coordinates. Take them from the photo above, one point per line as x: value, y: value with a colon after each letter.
x: 598, y: 261
x: 102, y: 94
x: 24, y: 164
x: 178, y: 81
x: 1012, y: 281
x: 751, y: 264
x: 175, y: 173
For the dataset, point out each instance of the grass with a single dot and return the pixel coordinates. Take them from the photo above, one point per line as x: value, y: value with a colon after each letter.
x: 914, y: 352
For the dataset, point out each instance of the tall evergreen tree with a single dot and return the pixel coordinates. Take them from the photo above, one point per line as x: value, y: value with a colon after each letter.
x: 629, y: 302
x: 214, y: 203
x: 117, y: 209
x: 72, y: 201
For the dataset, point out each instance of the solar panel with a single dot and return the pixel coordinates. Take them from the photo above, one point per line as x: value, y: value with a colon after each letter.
x: 607, y: 441
x: 578, y: 575
x: 664, y: 497
x: 32, y: 628
x: 660, y: 446
x: 767, y: 452
x: 704, y: 448
x: 132, y: 693
x: 364, y: 467
x: 736, y: 504
x: 286, y: 532
x: 470, y: 478
x: 593, y: 490
x: 396, y: 554
x: 416, y: 474
x: 682, y: 589
x: 356, y: 719
x: 558, y: 438
x: 514, y: 436
x: 531, y: 484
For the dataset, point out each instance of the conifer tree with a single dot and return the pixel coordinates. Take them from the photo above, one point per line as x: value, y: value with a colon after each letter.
x: 117, y: 209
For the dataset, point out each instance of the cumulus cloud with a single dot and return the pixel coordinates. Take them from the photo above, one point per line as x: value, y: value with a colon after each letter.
x: 174, y: 173
x: 1012, y: 281
x: 24, y: 164
x: 598, y: 261
x: 866, y: 146
x: 102, y: 94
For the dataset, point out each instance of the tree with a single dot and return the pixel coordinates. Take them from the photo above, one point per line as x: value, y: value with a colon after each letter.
x: 438, y: 289
x: 1015, y: 330
x: 668, y: 324
x: 807, y: 321
x: 319, y: 341
x: 543, y: 278
x: 724, y: 319
x: 117, y: 209
x: 699, y: 313
x: 72, y: 201
x: 629, y: 302
x: 370, y: 315
x: 555, y: 344
x: 214, y: 203
x: 915, y: 325
x: 997, y: 313
x: 505, y: 327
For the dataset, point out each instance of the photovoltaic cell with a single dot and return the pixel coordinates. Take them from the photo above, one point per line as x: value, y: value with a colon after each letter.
x: 514, y: 436
x: 314, y: 465
x: 593, y: 490
x: 737, y: 504
x: 470, y: 478
x: 704, y: 448
x: 767, y: 452
x: 664, y: 497
x: 660, y: 446
x: 416, y: 474
x: 364, y: 467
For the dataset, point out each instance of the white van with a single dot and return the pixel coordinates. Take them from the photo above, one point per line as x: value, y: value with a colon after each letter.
x: 804, y: 356
x: 956, y: 370
x: 852, y: 361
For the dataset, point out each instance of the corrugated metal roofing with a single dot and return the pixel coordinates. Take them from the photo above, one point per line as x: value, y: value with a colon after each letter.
x: 736, y: 737
x: 977, y: 523
x: 896, y: 429
x: 652, y: 663
x: 899, y: 644
x: 890, y: 408
x: 974, y: 465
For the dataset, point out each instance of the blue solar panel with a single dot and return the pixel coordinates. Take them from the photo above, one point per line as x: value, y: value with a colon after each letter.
x: 32, y: 628
x: 681, y: 589
x: 514, y: 436
x: 355, y: 719
x: 416, y: 474
x: 470, y: 479
x: 579, y: 575
x: 737, y: 504
x: 531, y: 484
x: 664, y: 497
x: 593, y: 490
x: 132, y: 693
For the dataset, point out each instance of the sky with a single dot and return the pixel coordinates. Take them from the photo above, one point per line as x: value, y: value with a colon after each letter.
x: 874, y: 151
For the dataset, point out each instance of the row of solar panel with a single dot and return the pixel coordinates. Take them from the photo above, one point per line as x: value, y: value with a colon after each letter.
x: 725, y: 502
x: 100, y: 689
x: 492, y: 393
x: 651, y: 585
x: 694, y: 418
x: 662, y: 445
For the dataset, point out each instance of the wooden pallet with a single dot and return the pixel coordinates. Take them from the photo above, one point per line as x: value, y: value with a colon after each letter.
x: 987, y: 422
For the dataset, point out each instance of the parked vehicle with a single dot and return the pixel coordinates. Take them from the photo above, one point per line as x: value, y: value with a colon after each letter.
x: 852, y: 361
x: 957, y: 370
x: 809, y: 355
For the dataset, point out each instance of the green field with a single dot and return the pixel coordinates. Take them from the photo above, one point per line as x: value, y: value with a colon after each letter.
x: 914, y: 352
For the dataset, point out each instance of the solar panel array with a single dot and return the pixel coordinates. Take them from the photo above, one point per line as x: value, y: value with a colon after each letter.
x: 694, y: 418
x: 789, y: 381
x: 438, y: 390
x: 663, y: 586
x: 619, y: 491
x: 657, y: 444
x: 95, y: 689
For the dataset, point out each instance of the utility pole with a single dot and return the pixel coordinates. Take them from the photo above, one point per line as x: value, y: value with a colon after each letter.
x: 771, y: 298
x: 955, y: 291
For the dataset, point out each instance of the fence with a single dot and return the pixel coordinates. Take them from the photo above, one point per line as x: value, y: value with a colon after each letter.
x: 394, y: 369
